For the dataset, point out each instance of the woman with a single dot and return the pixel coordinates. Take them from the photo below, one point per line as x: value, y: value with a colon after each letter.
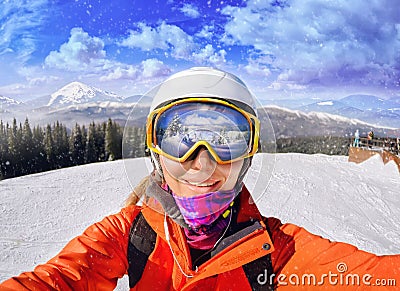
x: 197, y: 228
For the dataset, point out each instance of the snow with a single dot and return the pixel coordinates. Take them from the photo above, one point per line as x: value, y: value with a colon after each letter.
x: 342, y: 201
x: 325, y: 103
x: 323, y: 116
x: 78, y: 93
x: 8, y: 101
x: 100, y: 104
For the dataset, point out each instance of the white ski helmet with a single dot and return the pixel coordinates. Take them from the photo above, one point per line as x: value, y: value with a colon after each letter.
x: 203, y: 82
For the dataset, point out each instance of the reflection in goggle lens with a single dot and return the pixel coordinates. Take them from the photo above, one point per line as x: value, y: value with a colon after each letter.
x: 225, y: 129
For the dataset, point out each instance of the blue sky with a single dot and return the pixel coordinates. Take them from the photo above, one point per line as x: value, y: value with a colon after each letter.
x: 281, y: 49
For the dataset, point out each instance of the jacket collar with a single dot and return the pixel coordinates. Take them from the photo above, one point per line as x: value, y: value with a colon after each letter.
x: 162, y: 201
x: 242, y: 247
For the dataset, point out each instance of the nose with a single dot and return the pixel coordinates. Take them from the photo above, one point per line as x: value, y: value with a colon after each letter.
x: 203, y: 160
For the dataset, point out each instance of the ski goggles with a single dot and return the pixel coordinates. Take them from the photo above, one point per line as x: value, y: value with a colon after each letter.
x: 178, y: 129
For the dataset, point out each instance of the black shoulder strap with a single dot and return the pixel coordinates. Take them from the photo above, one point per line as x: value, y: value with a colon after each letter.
x: 260, y: 272
x: 142, y: 240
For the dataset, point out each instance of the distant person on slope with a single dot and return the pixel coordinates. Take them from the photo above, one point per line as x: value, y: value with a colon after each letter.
x: 356, y: 139
x: 197, y: 227
x: 370, y: 137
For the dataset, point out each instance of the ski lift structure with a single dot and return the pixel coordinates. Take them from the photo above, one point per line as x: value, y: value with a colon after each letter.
x: 388, y: 148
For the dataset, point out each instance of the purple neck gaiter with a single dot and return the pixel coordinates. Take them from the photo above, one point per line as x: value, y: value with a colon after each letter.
x: 204, y: 209
x: 203, y: 215
x: 204, y: 238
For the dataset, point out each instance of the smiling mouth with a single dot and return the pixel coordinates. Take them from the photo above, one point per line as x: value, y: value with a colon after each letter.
x: 201, y: 184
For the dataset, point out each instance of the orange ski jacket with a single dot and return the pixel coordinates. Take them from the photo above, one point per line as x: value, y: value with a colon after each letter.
x: 301, y: 261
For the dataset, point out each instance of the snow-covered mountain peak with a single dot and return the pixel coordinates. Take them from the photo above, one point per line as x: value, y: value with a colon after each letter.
x: 8, y: 101
x: 79, y: 93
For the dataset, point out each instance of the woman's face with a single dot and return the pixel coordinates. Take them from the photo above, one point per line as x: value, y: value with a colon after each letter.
x: 200, y: 175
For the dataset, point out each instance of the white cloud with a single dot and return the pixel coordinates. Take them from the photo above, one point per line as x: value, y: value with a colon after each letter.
x: 280, y: 86
x: 206, y: 32
x: 257, y: 69
x: 86, y: 55
x: 147, y: 38
x: 323, y: 40
x: 35, y: 81
x: 165, y: 37
x: 199, y: 120
x: 150, y: 68
x: 40, y: 81
x: 121, y: 72
x: 13, y: 89
x: 154, y: 68
x: 6, y: 50
x: 31, y: 88
x: 80, y: 52
x: 190, y: 10
x: 173, y: 40
x: 208, y: 55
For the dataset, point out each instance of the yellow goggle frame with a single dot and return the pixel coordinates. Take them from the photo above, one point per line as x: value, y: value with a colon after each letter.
x: 153, y: 117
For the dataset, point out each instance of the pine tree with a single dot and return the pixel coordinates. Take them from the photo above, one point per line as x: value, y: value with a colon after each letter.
x: 12, y: 138
x: 57, y: 151
x: 109, y: 140
x: 49, y: 146
x: 27, y: 149
x: 129, y: 143
x: 61, y: 145
x: 13, y: 142
x: 141, y: 141
x: 3, y: 149
x: 100, y: 135
x: 113, y: 141
x: 5, y: 160
x: 174, y: 127
x: 77, y: 146
x: 65, y: 147
x: 91, y: 150
x: 41, y: 163
x: 84, y: 134
x: 223, y: 137
x: 3, y: 139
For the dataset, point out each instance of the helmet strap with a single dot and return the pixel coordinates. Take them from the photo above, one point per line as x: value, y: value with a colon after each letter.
x: 243, y: 171
x: 155, y: 160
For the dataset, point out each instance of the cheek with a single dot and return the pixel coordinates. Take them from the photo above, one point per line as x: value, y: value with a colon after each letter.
x: 231, y: 174
x: 174, y: 169
x: 171, y: 181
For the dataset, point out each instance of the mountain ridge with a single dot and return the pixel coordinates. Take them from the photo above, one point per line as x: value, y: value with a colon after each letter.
x: 4, y: 100
x: 79, y: 93
x: 80, y: 103
x: 369, y: 108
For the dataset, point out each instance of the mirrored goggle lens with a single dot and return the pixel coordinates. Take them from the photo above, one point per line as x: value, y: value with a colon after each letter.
x: 225, y: 129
